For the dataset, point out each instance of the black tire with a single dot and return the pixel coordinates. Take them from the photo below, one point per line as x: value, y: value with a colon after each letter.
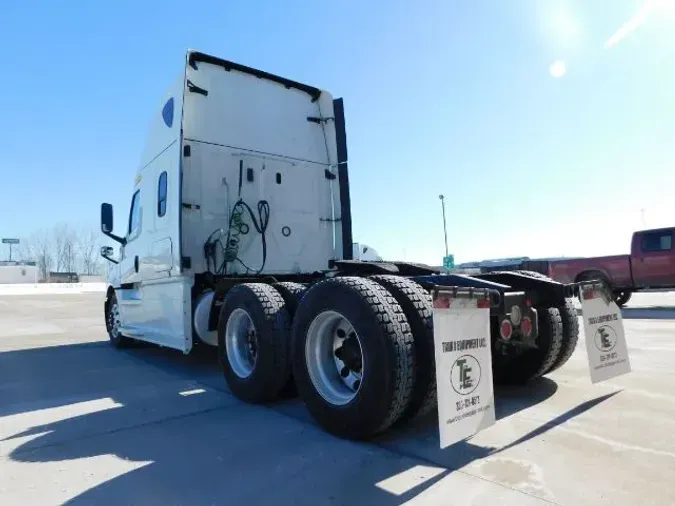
x: 388, y: 356
x: 570, y: 326
x: 534, y: 363
x: 116, y: 338
x: 265, y: 308
x: 622, y: 297
x: 418, y: 308
x: 570, y: 334
x: 292, y: 294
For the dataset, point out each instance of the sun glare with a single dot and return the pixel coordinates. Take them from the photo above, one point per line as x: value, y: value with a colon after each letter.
x: 557, y: 69
x: 648, y: 8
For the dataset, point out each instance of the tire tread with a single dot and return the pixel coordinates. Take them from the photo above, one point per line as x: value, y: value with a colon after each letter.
x: 417, y: 305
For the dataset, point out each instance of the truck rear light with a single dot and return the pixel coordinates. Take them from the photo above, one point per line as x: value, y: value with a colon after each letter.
x: 505, y: 329
x: 590, y: 294
x: 526, y: 326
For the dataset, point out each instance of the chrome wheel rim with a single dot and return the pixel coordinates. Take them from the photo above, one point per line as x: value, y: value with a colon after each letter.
x: 241, y: 343
x: 334, y: 358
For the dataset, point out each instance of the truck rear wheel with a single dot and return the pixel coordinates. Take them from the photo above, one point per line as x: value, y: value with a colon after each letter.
x: 418, y: 308
x: 253, y: 342
x: 570, y: 334
x: 533, y: 363
x: 353, y: 356
x: 570, y: 326
x: 292, y: 294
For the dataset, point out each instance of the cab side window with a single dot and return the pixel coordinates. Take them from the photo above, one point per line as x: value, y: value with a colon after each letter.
x: 657, y: 241
x: 135, y: 213
x: 161, y: 195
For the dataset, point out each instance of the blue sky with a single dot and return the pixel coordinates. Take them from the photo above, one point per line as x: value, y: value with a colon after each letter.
x: 452, y: 97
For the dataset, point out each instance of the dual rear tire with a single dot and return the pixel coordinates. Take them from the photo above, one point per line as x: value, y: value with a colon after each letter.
x: 359, y: 351
x: 557, y: 340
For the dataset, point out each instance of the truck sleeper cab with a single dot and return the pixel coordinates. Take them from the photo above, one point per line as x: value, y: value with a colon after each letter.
x: 239, y: 237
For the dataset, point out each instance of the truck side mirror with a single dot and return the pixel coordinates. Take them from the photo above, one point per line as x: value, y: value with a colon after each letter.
x: 106, y: 218
x: 107, y: 253
x: 107, y: 224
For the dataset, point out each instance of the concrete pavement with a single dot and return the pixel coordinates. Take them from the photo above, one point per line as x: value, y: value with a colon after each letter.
x: 82, y: 423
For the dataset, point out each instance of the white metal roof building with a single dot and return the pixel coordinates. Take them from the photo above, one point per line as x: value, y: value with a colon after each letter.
x: 18, y: 272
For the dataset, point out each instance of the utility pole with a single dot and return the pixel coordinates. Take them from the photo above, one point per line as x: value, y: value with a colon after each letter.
x: 445, y: 227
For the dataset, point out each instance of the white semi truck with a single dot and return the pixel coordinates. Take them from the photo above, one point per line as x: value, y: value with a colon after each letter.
x: 239, y: 237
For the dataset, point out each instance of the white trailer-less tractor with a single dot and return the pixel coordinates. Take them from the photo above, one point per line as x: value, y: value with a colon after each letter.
x: 239, y: 237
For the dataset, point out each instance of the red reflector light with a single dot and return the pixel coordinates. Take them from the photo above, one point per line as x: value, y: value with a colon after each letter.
x: 590, y: 294
x: 442, y: 302
x: 505, y: 329
x: 482, y: 303
x: 528, y: 302
x: 526, y: 326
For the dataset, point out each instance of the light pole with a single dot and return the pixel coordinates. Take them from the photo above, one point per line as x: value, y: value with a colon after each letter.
x: 445, y: 228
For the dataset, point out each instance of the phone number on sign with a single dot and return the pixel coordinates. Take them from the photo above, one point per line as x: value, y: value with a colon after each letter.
x: 467, y: 403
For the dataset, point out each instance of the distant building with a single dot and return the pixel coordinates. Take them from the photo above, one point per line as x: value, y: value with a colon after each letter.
x: 64, y: 277
x: 18, y: 272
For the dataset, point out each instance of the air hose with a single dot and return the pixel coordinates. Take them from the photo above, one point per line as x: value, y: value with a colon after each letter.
x: 237, y: 227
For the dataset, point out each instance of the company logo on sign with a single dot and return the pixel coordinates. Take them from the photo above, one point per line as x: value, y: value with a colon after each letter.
x: 465, y: 375
x: 605, y: 338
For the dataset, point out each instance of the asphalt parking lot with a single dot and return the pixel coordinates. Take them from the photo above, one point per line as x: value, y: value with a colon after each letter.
x: 83, y: 423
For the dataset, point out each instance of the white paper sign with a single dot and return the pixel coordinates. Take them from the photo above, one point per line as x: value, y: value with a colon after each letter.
x: 605, y: 337
x: 463, y: 368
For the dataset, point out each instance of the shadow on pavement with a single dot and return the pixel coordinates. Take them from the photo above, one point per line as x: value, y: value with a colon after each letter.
x: 209, y: 448
x: 48, y: 377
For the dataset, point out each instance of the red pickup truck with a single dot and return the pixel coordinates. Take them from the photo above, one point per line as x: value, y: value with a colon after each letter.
x: 651, y: 264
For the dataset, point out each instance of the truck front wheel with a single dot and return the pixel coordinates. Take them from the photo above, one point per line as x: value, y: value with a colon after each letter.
x: 353, y: 356
x: 113, y: 323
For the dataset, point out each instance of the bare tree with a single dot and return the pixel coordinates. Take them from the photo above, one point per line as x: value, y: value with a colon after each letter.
x: 38, y: 248
x: 88, y: 248
x: 64, y: 249
x: 65, y: 240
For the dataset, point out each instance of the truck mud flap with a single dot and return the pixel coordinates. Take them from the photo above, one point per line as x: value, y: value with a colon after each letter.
x: 463, y: 355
